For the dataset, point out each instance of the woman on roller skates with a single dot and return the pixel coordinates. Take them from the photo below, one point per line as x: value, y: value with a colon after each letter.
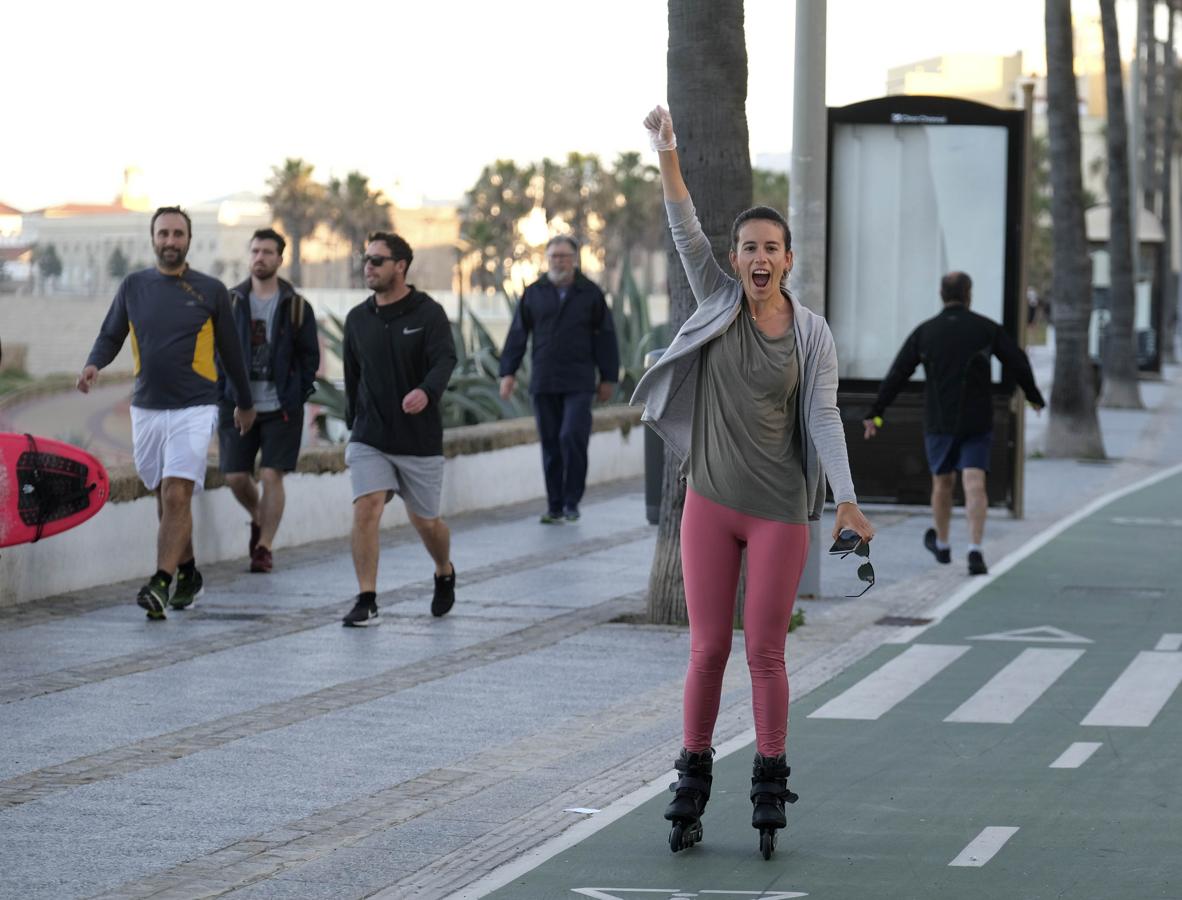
x: 746, y: 395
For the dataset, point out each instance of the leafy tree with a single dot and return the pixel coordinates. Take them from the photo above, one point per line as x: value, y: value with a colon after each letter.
x: 356, y: 211
x: 575, y: 191
x: 49, y: 264
x: 1074, y: 429
x: 633, y: 217
x: 770, y: 188
x: 117, y: 264
x: 492, y: 209
x: 1121, y: 387
x: 708, y: 103
x: 299, y: 202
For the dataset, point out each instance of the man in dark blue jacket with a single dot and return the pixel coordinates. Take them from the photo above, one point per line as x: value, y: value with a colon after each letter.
x: 276, y: 329
x: 573, y: 336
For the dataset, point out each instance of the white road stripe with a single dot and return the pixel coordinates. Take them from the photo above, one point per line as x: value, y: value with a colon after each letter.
x: 879, y: 691
x: 1139, y: 694
x: 1076, y: 755
x: 984, y: 846
x: 1010, y: 692
x: 1169, y: 642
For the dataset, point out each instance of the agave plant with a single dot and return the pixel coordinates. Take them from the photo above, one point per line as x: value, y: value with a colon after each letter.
x: 473, y: 393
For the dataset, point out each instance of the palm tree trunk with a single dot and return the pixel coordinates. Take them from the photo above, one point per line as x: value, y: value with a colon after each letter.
x: 707, y: 76
x: 1121, y: 387
x: 1168, y: 278
x: 1073, y: 430
x: 297, y: 274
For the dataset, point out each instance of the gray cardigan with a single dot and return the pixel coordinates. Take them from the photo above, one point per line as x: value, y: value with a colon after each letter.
x: 667, y: 389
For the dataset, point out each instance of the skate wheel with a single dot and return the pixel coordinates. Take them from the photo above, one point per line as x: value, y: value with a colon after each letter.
x: 767, y: 843
x: 675, y: 834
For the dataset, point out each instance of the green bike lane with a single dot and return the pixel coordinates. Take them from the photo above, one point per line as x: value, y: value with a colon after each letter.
x: 1025, y: 745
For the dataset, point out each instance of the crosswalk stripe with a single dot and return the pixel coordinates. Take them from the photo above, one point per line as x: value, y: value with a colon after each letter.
x: 893, y: 682
x: 1076, y: 755
x: 1139, y: 694
x: 984, y: 846
x: 1010, y: 692
x: 1169, y: 642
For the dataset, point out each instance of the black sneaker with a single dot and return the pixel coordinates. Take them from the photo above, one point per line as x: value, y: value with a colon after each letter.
x: 153, y: 596
x: 188, y: 589
x: 363, y: 614
x: 929, y: 541
x: 551, y: 518
x: 572, y: 514
x: 445, y: 594
x: 977, y: 563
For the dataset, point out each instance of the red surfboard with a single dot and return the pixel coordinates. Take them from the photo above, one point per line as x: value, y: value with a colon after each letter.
x: 46, y: 487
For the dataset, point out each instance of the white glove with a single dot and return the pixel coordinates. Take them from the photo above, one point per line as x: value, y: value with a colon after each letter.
x: 660, y: 129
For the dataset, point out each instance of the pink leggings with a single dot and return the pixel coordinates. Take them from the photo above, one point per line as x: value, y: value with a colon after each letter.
x: 712, y: 539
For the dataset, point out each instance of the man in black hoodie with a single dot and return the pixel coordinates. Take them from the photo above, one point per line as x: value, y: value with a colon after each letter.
x: 398, y: 355
x: 955, y: 348
x: 276, y: 328
x: 573, y: 339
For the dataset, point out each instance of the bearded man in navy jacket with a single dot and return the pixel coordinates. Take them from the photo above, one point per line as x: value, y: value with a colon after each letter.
x: 575, y: 360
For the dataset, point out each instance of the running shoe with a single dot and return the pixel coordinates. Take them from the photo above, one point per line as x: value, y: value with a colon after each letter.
x: 188, y: 589
x: 153, y: 596
x: 929, y: 541
x: 363, y: 614
x: 445, y: 594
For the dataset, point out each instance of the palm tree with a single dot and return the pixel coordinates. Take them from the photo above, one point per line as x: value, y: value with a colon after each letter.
x: 356, y: 212
x: 1168, y: 277
x: 298, y: 202
x: 1121, y: 388
x: 633, y: 217
x: 707, y: 92
x: 489, y: 218
x: 1074, y: 429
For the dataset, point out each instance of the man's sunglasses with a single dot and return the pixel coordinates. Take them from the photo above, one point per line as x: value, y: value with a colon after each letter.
x: 376, y: 260
x: 850, y: 542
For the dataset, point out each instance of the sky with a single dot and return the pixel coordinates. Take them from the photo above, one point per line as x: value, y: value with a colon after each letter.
x: 204, y: 98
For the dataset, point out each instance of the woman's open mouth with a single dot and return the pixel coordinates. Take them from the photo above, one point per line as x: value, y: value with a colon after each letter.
x: 760, y: 277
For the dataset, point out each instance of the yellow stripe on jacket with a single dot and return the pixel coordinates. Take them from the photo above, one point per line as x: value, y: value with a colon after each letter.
x: 135, y: 350
x: 203, y: 363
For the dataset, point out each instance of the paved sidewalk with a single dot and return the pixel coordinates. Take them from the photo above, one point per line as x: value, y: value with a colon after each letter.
x: 253, y: 748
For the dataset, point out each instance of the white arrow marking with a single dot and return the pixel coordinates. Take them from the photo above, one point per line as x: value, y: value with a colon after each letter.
x: 984, y: 846
x: 1047, y: 633
x: 1169, y: 642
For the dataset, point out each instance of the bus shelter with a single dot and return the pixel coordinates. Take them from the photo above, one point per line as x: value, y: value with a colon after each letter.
x: 917, y: 187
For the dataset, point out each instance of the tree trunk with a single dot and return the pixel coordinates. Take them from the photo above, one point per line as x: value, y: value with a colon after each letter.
x: 1121, y: 387
x: 297, y: 275
x: 707, y: 91
x: 1168, y: 278
x: 1073, y: 430
x: 1150, y: 114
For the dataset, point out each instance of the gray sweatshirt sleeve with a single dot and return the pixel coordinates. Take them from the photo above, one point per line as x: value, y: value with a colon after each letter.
x: 825, y: 428
x: 705, y: 274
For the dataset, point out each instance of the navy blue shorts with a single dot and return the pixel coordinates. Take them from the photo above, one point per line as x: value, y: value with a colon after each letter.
x: 950, y: 452
x: 276, y: 434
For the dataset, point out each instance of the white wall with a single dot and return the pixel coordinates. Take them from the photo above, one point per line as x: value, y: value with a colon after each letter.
x: 119, y: 542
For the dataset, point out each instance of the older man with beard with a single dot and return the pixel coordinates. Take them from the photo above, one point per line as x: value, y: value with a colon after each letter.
x: 398, y: 355
x: 276, y: 330
x: 177, y: 319
x: 573, y: 339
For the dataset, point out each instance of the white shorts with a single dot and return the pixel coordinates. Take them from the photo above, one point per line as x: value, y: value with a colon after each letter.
x: 172, y: 443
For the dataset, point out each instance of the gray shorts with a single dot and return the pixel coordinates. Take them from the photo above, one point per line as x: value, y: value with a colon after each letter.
x: 418, y: 479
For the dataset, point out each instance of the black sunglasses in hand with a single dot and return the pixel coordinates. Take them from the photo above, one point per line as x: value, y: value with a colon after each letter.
x: 848, y: 542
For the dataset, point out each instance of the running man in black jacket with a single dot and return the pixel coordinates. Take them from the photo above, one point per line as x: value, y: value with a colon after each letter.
x: 398, y: 357
x: 955, y: 348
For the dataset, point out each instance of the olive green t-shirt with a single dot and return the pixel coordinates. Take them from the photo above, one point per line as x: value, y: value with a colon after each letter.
x: 745, y: 446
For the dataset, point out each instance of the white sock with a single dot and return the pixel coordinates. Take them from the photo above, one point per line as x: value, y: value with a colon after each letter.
x: 973, y: 547
x: 942, y: 545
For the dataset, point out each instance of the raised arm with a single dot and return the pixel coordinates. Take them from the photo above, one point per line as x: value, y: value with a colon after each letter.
x: 697, y: 257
